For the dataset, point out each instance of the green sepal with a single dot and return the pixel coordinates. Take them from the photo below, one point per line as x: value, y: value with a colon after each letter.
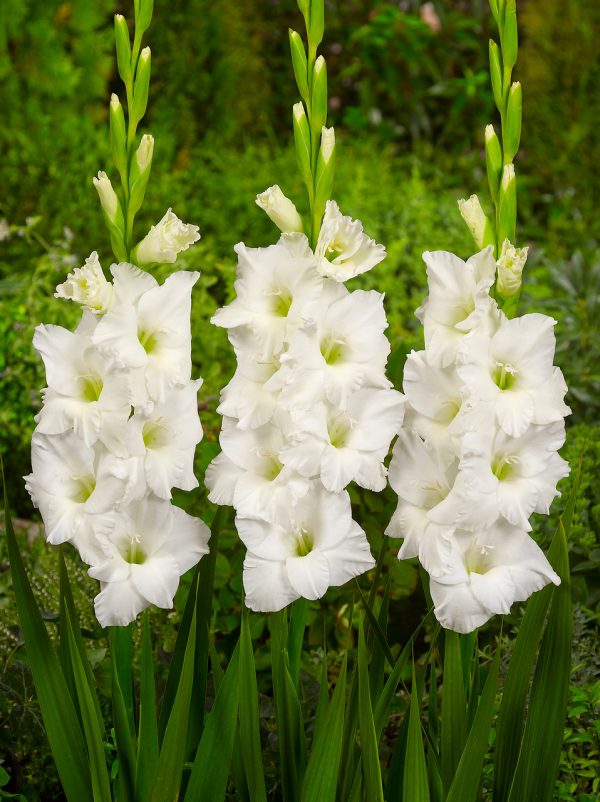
x: 316, y: 26
x: 302, y: 141
x: 507, y: 205
x: 304, y: 6
x: 318, y: 117
x: 496, y: 74
x: 140, y: 88
x: 511, y: 135
x: 117, y: 243
x: 123, y: 44
x: 324, y: 179
x: 138, y: 181
x: 299, y: 63
x: 495, y: 10
x: 509, y: 35
x: 493, y: 161
x: 118, y: 136
x: 143, y: 17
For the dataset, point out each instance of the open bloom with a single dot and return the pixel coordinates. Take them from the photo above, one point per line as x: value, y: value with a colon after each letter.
x: 343, y: 249
x: 510, y: 268
x: 166, y: 239
x: 87, y: 286
x: 316, y: 547
x: 490, y: 571
x: 246, y: 397
x: 146, y: 548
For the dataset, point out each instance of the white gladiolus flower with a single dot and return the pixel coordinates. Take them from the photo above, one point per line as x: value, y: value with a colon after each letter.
x: 476, y: 220
x: 458, y: 301
x: 510, y: 268
x: 166, y: 239
x: 151, y: 331
x: 246, y: 397
x: 490, y: 571
x: 280, y: 209
x: 249, y: 474
x: 342, y: 446
x: 74, y: 487
x: 147, y: 547
x: 513, y: 369
x: 276, y: 288
x: 343, y: 249
x: 317, y: 547
x: 342, y: 350
x: 87, y: 286
x: 84, y: 392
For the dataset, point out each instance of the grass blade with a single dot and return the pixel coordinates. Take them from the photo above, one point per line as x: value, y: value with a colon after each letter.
x: 368, y: 739
x: 415, y: 784
x: 249, y: 717
x: 454, y: 709
x: 124, y: 740
x: 147, y: 756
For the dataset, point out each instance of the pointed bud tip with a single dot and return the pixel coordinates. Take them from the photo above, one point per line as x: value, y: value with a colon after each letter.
x: 319, y: 64
x: 298, y: 110
x: 145, y: 54
x: 114, y: 101
x: 490, y: 132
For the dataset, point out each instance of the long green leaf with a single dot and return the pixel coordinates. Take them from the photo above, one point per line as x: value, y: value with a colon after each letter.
x: 465, y: 785
x: 172, y: 752
x: 124, y: 740
x: 208, y: 780
x: 147, y: 755
x: 249, y: 716
x: 298, y: 616
x: 544, y: 730
x: 376, y: 674
x: 321, y: 777
x: 376, y: 628
x: 63, y: 729
x: 368, y: 739
x: 91, y: 725
x: 454, y: 709
x: 121, y: 647
x: 415, y: 784
x: 323, y: 701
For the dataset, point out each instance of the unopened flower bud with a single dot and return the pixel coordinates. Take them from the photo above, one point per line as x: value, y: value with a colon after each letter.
x: 476, y: 221
x: 510, y: 268
x: 108, y: 197
x: 143, y: 155
x: 166, y: 239
x: 280, y: 209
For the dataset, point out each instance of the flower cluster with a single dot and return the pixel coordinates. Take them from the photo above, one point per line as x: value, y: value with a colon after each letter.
x: 308, y: 410
x: 117, y: 430
x: 478, y: 455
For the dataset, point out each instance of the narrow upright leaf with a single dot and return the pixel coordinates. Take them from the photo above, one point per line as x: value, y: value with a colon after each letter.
x: 249, y: 716
x: 147, y: 756
x: 415, y: 784
x: 368, y: 739
x: 123, y: 736
x: 454, y: 709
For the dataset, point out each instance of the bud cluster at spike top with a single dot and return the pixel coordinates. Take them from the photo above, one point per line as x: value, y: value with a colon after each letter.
x: 479, y: 451
x: 308, y: 410
x: 117, y: 431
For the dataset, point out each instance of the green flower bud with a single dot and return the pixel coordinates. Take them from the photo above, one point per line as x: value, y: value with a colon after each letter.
x: 496, y: 73
x: 299, y: 63
x: 140, y: 172
x: 302, y: 140
x: 143, y: 17
x: 319, y: 96
x: 325, y: 170
x: 141, y: 85
x: 123, y: 48
x: 304, y: 6
x: 108, y: 199
x: 507, y: 207
x: 493, y: 161
x: 512, y: 125
x: 316, y: 26
x: 509, y: 36
x: 118, y: 136
x: 477, y: 222
x: 495, y: 10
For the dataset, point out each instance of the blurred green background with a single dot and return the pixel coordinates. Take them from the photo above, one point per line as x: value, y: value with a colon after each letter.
x: 409, y: 97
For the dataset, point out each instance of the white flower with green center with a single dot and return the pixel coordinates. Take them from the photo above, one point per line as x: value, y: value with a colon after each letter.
x: 74, y: 487
x: 249, y: 474
x: 489, y: 572
x: 150, y: 330
x: 88, y: 286
x: 513, y: 369
x: 424, y: 480
x: 276, y: 289
x: 164, y: 443
x: 318, y: 546
x: 343, y: 249
x: 508, y: 476
x: 166, y: 240
x: 336, y: 354
x: 147, y: 547
x: 458, y: 301
x: 246, y: 397
x: 344, y: 446
x: 85, y: 393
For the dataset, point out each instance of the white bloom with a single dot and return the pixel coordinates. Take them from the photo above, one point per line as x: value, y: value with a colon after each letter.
x: 150, y: 330
x: 276, y: 288
x: 490, y: 571
x: 343, y: 349
x: 246, y: 397
x: 423, y: 481
x: 343, y: 249
x: 510, y: 268
x: 164, y: 440
x: 249, y: 474
x: 317, y: 547
x: 87, y: 286
x: 147, y: 547
x: 74, y: 487
x: 458, y: 301
x: 342, y: 446
x: 513, y: 369
x: 108, y: 197
x: 84, y: 392
x: 280, y: 209
x: 166, y: 239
